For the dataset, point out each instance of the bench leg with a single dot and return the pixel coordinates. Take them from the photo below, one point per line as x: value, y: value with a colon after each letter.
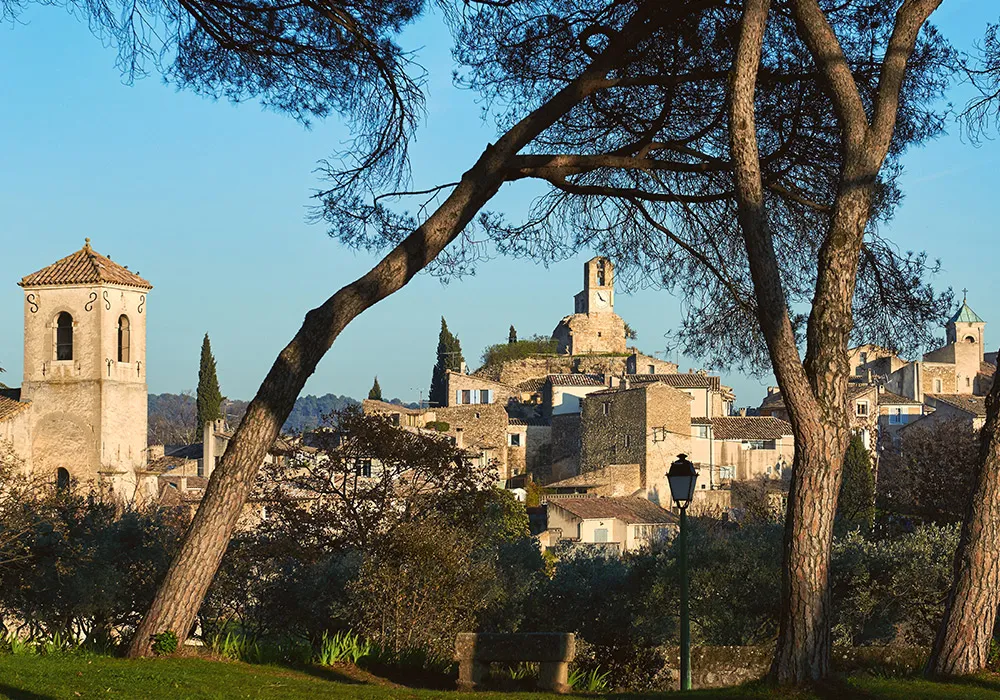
x: 554, y: 676
x: 470, y: 674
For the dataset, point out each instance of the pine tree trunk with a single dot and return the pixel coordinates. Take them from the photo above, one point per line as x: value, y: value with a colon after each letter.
x: 180, y: 595
x: 804, y: 642
x: 963, y: 639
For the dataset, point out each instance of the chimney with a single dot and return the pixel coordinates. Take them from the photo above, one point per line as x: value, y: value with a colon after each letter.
x: 743, y: 411
x: 772, y: 390
x: 462, y: 369
x: 208, y: 449
x: 460, y: 438
x: 183, y: 484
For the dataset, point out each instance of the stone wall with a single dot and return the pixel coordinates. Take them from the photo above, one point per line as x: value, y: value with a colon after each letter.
x: 485, y: 425
x: 565, y: 448
x: 719, y: 667
x: 667, y: 434
x: 540, y: 366
x: 613, y: 426
x: 932, y: 371
x: 538, y: 451
x: 601, y: 332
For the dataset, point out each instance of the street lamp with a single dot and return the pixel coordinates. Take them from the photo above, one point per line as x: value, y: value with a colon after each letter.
x: 682, y: 478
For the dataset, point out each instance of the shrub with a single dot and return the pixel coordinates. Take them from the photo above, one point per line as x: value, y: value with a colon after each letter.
x: 165, y: 643
x: 424, y: 583
x: 438, y: 425
x: 892, y: 590
x: 86, y: 567
x: 519, y: 350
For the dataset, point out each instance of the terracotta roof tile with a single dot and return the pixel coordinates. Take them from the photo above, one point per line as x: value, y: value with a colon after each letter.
x: 890, y: 399
x: 11, y: 404
x: 685, y: 380
x: 85, y: 266
x: 749, y: 428
x: 975, y: 405
x: 532, y: 385
x: 634, y: 511
x: 576, y: 379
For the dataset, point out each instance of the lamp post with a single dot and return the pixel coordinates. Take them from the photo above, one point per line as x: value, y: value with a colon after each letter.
x: 682, y: 478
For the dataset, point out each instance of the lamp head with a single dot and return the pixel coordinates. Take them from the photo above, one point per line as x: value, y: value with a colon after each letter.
x: 682, y: 478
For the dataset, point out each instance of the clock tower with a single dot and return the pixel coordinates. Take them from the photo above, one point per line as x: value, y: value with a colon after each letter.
x: 594, y: 326
x: 598, y: 295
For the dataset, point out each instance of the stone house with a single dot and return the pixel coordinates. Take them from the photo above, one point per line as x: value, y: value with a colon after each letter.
x: 484, y: 429
x: 646, y: 424
x: 895, y: 412
x: 563, y: 393
x: 470, y: 389
x: 970, y: 410
x: 81, y: 410
x: 626, y: 524
x: 594, y: 327
x: 709, y: 397
x: 731, y: 448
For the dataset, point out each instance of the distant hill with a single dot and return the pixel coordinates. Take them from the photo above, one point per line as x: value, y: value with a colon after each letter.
x: 172, y: 417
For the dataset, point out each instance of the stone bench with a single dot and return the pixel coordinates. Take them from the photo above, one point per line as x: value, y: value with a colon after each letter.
x: 552, y: 651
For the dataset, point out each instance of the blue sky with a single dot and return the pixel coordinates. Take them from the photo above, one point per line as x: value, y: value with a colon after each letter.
x: 209, y: 202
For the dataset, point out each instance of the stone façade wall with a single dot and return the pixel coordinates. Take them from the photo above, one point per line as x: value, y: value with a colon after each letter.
x: 483, y: 425
x: 456, y: 381
x: 720, y: 667
x: 88, y: 414
x: 667, y: 433
x: 613, y: 426
x: 932, y: 371
x: 565, y: 449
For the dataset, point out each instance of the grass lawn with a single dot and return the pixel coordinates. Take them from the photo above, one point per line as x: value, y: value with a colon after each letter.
x: 80, y: 676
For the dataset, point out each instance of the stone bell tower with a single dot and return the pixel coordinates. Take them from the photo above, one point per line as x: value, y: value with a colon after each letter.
x: 85, y: 370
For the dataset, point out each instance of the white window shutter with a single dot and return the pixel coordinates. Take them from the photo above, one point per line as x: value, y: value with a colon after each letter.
x: 458, y: 396
x: 489, y: 396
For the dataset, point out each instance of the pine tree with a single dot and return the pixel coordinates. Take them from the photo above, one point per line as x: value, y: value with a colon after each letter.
x: 449, y: 357
x: 856, y: 503
x: 375, y: 392
x: 512, y: 336
x: 209, y: 396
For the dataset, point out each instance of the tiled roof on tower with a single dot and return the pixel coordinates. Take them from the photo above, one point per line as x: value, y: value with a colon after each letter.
x: 85, y: 266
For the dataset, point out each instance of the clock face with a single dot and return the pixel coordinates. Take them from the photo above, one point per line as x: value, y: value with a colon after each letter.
x: 602, y: 299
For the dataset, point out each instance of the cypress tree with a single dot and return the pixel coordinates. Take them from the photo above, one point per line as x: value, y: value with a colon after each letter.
x: 209, y: 400
x: 856, y: 503
x: 449, y: 357
x: 512, y: 335
x: 376, y: 391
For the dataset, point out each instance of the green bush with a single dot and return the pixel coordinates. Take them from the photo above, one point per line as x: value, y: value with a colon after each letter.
x: 438, y: 425
x: 165, y: 643
x: 506, y: 352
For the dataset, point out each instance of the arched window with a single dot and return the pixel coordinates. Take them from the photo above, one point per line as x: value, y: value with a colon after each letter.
x: 62, y: 479
x: 64, y: 337
x: 124, y: 339
x: 970, y: 339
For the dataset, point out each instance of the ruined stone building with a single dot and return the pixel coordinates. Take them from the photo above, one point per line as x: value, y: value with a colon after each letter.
x: 80, y: 413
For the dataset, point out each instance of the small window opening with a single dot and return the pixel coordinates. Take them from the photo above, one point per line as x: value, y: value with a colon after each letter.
x: 64, y: 337
x: 62, y: 478
x: 124, y: 339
